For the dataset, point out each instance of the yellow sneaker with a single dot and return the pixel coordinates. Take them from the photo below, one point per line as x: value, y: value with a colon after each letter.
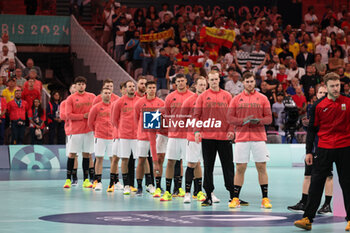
x: 68, y: 184
x: 157, y: 193
x: 305, y: 224
x: 166, y: 197
x: 201, y: 196
x: 347, y: 228
x: 235, y: 203
x: 94, y: 184
x: 110, y: 189
x: 265, y: 203
x: 181, y: 192
x: 87, y: 184
x: 133, y: 189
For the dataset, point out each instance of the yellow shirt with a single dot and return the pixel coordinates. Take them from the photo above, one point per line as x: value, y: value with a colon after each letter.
x: 294, y: 48
x: 278, y: 51
x: 8, y: 94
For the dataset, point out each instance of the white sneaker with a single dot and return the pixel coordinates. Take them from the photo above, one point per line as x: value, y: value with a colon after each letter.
x: 151, y: 189
x: 118, y: 186
x: 127, y: 190
x: 187, y: 198
x: 214, y: 198
x: 98, y: 186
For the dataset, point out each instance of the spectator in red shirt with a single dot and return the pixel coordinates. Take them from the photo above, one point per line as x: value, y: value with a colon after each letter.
x: 37, y: 118
x: 300, y: 100
x: 17, y: 109
x: 29, y: 94
x: 37, y: 85
x: 3, y: 108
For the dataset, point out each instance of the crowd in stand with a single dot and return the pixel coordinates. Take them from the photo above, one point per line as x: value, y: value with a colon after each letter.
x: 287, y: 61
x: 23, y: 119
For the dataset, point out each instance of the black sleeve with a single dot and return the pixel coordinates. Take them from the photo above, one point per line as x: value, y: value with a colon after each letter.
x: 311, y: 130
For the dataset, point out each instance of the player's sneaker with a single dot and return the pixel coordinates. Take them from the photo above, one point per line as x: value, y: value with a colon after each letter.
x: 299, y: 207
x: 68, y: 184
x: 207, y: 202
x: 214, y: 198
x: 94, y: 184
x: 265, y: 203
x: 139, y: 192
x: 133, y: 189
x: 166, y: 197
x: 74, y: 182
x: 176, y: 193
x: 157, y: 193
x: 126, y: 190
x: 118, y: 186
x: 187, y: 198
x: 325, y: 209
x: 201, y: 196
x: 110, y: 189
x: 304, y: 223
x: 87, y: 184
x: 244, y: 203
x: 347, y: 228
x: 98, y: 186
x: 194, y: 196
x: 235, y: 203
x: 151, y: 189
x: 181, y: 192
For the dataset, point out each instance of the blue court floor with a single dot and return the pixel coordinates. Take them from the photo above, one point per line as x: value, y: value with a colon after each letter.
x: 34, y: 201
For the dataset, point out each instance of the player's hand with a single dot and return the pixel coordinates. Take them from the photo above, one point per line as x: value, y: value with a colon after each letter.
x: 197, y: 137
x: 156, y: 168
x: 86, y: 115
x: 309, y: 159
x: 230, y: 135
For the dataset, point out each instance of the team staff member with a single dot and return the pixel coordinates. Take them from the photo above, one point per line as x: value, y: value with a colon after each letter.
x: 82, y: 139
x: 99, y: 120
x: 329, y: 118
x: 249, y: 112
x: 213, y: 103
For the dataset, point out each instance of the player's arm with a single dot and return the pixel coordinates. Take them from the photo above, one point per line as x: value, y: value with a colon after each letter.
x: 92, y: 118
x: 69, y: 111
x: 267, y: 114
x: 115, y: 116
x: 63, y: 110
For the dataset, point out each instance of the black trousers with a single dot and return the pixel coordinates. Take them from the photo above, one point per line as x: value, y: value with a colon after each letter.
x: 209, y: 149
x: 322, y: 164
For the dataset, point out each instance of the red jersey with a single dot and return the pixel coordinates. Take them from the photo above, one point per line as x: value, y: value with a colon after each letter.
x: 98, y: 99
x: 188, y: 108
x: 299, y: 100
x: 99, y: 120
x: 17, y: 112
x: 63, y: 116
x: 30, y: 96
x: 37, y: 86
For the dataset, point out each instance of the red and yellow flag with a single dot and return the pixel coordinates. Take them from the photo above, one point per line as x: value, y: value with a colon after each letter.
x: 157, y: 36
x: 222, y: 37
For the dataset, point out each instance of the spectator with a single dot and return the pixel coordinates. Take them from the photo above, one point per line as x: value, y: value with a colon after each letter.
x: 31, y: 6
x: 347, y: 89
x: 4, y: 61
x: 166, y: 24
x: 161, y: 64
x: 347, y: 70
x: 19, y: 78
x: 336, y: 62
x: 266, y: 92
x: 282, y: 77
x: 248, y: 46
x: 152, y: 13
x: 107, y: 21
x: 300, y: 100
x: 277, y: 110
x: 270, y: 66
x: 37, y: 117
x: 3, y: 110
x: 189, y: 76
x: 162, y: 14
x: 294, y: 71
x: 148, y: 59
x: 304, y: 58
x: 9, y: 92
x: 9, y: 71
x: 17, y: 109
x: 12, y: 50
x: 294, y: 46
x: 332, y: 27
x: 121, y: 27
x: 233, y: 85
x: 323, y: 48
x: 139, y: 18
x: 271, y: 81
x: 206, y: 61
x: 292, y: 87
x: 320, y: 67
x: 30, y: 65
x: 55, y: 124
x: 2, y: 85
x: 309, y: 80
x: 37, y: 84
x: 310, y: 19
x: 29, y: 93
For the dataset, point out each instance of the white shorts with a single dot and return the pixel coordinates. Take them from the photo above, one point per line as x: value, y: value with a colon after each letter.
x: 176, y: 148
x: 68, y: 139
x: 82, y: 143
x: 103, y: 146
x: 115, y: 147
x: 257, y: 149
x: 161, y: 143
x: 194, y: 152
x: 142, y: 148
x: 126, y: 147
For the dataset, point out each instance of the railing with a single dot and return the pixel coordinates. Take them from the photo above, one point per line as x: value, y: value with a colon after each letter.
x: 95, y: 56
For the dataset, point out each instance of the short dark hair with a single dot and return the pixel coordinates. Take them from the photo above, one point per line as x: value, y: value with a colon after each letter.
x: 80, y: 79
x: 129, y: 81
x: 122, y: 85
x: 151, y: 82
x: 108, y: 80
x: 180, y: 76
x: 247, y: 75
x: 269, y: 72
x: 330, y: 76
x: 231, y: 68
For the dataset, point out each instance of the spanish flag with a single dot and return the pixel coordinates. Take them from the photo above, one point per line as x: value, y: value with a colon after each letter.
x: 221, y: 37
x: 157, y: 36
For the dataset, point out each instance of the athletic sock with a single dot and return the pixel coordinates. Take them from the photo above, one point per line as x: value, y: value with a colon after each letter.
x: 92, y: 173
x: 148, y: 177
x: 237, y: 191
x: 176, y: 184
x: 139, y: 183
x: 189, y: 178
x: 112, y: 178
x: 74, y: 174
x: 199, y: 183
x: 179, y: 182
x: 126, y: 179
x: 70, y: 166
x: 304, y: 198
x: 86, y: 162
x: 158, y: 181
x: 98, y: 177
x: 168, y: 185
x: 116, y: 180
x: 328, y: 200
x: 264, y: 190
